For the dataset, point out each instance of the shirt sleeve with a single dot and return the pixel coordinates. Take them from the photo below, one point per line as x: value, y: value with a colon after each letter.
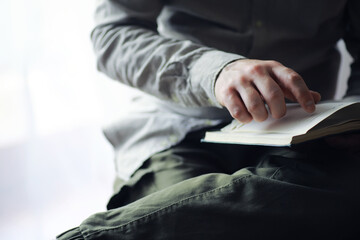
x: 130, y: 50
x: 352, y: 41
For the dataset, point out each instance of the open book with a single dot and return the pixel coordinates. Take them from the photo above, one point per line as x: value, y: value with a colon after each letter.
x: 295, y: 127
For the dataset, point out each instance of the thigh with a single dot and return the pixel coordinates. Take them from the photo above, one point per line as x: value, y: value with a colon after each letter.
x: 313, y: 164
x: 165, y: 169
x: 253, y: 203
x: 188, y: 159
x: 284, y: 193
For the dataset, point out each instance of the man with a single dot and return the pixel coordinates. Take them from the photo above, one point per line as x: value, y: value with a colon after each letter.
x: 198, y: 64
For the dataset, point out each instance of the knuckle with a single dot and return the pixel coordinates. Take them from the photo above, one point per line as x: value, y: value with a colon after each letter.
x: 274, y: 63
x: 254, y: 106
x: 231, y: 96
x: 292, y: 76
x: 224, y: 97
x: 236, y: 79
x: 242, y: 81
x: 236, y: 113
x: 275, y: 93
x: 256, y: 69
x: 227, y: 92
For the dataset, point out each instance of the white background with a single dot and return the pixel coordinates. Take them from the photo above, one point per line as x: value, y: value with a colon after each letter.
x: 56, y: 168
x: 55, y: 165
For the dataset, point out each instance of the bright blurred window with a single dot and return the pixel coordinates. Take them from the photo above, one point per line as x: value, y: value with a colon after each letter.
x: 48, y: 77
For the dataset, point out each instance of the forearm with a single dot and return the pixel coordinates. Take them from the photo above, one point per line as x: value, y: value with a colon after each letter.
x: 129, y: 49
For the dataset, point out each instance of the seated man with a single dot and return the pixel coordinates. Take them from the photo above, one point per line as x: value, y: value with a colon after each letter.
x: 199, y: 64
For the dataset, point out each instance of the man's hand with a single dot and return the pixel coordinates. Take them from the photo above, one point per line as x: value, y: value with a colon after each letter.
x: 244, y: 86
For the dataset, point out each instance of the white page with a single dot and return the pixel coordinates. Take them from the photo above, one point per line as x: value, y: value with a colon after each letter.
x: 295, y: 122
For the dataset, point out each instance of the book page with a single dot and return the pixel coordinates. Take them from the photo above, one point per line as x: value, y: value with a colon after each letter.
x: 295, y: 122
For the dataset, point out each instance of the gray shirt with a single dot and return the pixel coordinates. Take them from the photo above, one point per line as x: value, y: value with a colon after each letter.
x: 172, y: 51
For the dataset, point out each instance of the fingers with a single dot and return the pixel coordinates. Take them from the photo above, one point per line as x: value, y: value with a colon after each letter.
x: 295, y: 88
x: 245, y: 86
x: 316, y: 96
x: 253, y: 102
x: 272, y: 94
x: 236, y: 107
x: 260, y: 87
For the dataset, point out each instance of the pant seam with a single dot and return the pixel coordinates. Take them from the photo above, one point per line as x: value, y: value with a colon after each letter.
x: 167, y: 207
x: 276, y: 173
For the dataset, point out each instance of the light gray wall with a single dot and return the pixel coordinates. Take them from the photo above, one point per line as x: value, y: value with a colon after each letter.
x: 344, y: 70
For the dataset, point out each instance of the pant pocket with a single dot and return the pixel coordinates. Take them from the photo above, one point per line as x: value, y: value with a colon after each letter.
x: 293, y: 167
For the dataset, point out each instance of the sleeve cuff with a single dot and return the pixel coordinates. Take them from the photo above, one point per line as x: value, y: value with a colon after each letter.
x: 205, y: 71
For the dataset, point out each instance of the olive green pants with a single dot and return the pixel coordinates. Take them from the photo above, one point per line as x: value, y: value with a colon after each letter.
x: 213, y: 191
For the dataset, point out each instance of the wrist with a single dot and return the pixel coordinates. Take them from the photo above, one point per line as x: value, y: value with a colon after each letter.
x: 204, y: 72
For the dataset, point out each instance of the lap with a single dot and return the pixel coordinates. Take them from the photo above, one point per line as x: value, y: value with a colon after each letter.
x: 313, y: 165
x: 208, y: 191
